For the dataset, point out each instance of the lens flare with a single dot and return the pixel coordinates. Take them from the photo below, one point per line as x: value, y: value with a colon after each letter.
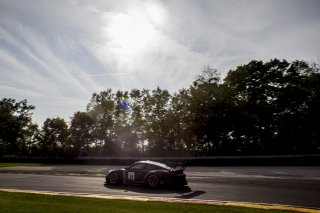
x: 124, y: 103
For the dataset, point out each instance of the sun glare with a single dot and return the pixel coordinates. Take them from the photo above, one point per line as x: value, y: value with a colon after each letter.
x: 130, y: 34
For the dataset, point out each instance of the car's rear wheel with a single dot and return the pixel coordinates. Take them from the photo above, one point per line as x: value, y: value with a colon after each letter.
x: 153, y: 180
x: 113, y: 178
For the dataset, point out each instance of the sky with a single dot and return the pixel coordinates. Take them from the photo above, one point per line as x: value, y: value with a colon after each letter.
x: 56, y: 54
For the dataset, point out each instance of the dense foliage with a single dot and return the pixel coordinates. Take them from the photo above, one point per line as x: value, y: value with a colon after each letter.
x: 259, y: 108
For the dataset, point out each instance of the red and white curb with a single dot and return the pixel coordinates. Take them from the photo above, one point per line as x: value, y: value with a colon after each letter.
x: 170, y: 200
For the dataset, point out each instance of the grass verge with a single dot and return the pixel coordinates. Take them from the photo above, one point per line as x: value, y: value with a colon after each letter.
x: 24, y: 202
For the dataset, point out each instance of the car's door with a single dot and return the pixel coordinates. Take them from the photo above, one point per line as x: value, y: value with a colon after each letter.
x: 135, y: 173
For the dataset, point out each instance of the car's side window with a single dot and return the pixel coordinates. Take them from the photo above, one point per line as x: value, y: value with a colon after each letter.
x: 138, y: 166
x: 152, y: 167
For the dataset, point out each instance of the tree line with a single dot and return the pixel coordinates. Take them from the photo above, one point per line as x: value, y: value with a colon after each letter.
x: 258, y: 108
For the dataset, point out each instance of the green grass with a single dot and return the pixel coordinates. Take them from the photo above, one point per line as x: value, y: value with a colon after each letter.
x: 25, y: 164
x: 23, y: 202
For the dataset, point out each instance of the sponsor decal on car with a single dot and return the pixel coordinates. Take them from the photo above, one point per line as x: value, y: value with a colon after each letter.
x: 130, y: 175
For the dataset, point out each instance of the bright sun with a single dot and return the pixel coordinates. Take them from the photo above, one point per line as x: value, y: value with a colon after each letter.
x: 130, y: 34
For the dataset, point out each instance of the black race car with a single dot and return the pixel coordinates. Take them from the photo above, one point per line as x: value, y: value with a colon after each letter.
x: 149, y: 173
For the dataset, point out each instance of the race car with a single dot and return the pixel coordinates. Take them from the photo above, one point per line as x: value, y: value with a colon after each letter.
x: 148, y: 173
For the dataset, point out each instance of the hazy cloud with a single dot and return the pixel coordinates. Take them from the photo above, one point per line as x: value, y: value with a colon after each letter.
x: 56, y: 54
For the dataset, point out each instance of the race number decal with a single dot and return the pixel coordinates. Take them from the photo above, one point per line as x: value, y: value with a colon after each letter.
x: 131, y: 175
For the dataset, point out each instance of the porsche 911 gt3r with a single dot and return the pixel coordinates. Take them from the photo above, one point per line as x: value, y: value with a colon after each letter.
x: 150, y: 173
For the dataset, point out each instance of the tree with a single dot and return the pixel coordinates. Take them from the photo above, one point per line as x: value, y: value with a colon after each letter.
x: 138, y: 119
x: 273, y: 100
x: 126, y: 137
x: 81, y: 129
x: 259, y: 108
x: 254, y: 88
x: 209, y: 105
x: 298, y: 114
x: 178, y: 124
x: 155, y: 107
x: 101, y: 110
x: 16, y: 127
x: 55, y: 139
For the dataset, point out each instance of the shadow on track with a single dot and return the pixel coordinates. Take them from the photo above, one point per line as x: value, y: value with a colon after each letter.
x: 145, y: 189
x: 191, y: 195
x: 184, y: 192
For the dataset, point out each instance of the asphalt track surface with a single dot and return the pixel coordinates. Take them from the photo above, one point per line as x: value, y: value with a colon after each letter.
x: 296, y: 186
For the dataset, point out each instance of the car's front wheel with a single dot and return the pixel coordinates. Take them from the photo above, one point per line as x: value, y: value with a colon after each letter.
x: 113, y: 178
x: 153, y: 180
